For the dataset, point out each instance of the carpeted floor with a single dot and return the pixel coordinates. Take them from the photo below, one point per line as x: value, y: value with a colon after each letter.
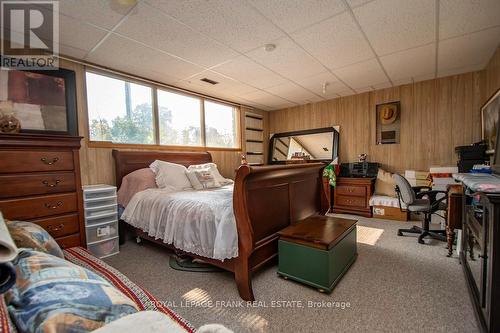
x: 395, y: 285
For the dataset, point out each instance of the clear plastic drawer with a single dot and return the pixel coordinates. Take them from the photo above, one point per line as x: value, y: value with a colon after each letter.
x: 100, y: 232
x: 105, y: 248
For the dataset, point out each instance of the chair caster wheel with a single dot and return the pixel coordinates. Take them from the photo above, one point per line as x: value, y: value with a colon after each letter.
x: 321, y: 291
x: 400, y: 233
x: 138, y: 240
x: 421, y: 241
x: 285, y: 277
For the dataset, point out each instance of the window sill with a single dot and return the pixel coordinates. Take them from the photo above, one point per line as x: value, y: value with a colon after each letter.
x: 107, y: 144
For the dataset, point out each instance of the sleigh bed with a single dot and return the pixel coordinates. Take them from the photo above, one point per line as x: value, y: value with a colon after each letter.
x: 266, y: 199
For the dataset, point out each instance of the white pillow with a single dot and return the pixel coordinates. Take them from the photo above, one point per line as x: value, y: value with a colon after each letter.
x: 171, y: 176
x: 202, y: 178
x: 215, y: 171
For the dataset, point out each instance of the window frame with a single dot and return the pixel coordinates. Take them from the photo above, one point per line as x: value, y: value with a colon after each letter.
x: 155, y: 109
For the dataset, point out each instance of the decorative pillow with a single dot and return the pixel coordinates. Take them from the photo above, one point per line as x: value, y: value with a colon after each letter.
x: 202, y: 179
x: 170, y: 175
x: 32, y: 236
x: 384, y: 185
x: 215, y: 171
x: 136, y: 181
x: 54, y: 295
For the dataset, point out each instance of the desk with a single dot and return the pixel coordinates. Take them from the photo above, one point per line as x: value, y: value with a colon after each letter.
x: 454, y: 214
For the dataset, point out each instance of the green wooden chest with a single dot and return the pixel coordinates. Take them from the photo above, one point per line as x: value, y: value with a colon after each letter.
x: 318, y: 252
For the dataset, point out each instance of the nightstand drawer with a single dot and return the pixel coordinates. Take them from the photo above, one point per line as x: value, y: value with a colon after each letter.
x: 35, y: 161
x: 35, y: 184
x: 349, y: 201
x: 357, y: 191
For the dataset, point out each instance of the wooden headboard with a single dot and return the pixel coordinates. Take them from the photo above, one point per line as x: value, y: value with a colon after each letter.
x: 128, y: 161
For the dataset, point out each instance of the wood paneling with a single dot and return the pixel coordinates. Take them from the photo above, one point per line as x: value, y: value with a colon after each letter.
x: 97, y: 165
x: 436, y: 116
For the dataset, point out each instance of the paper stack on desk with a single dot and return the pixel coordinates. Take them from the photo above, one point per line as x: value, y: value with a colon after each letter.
x: 417, y: 178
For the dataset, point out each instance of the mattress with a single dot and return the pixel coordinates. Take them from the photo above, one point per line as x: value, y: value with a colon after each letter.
x: 196, y: 221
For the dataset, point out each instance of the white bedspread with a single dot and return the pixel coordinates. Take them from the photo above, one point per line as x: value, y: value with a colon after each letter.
x: 201, y: 222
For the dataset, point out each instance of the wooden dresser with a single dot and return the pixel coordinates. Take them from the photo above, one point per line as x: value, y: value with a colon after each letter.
x: 40, y: 182
x: 352, y: 195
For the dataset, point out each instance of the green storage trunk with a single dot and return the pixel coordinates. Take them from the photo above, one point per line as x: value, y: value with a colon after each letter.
x: 319, y: 268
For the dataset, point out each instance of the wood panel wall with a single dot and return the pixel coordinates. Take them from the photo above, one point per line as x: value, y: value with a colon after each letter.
x: 97, y: 164
x: 436, y: 116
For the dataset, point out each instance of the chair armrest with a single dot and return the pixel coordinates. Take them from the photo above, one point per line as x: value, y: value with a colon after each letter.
x: 432, y: 196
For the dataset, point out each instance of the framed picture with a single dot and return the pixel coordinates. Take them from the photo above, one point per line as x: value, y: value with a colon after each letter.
x: 42, y: 101
x: 489, y: 122
x: 388, y: 123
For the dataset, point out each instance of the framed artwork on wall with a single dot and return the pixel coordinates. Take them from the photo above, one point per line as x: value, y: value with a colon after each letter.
x: 42, y: 101
x: 388, y: 123
x: 490, y: 114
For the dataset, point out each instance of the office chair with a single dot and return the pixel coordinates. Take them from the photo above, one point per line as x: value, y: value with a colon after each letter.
x: 419, y: 201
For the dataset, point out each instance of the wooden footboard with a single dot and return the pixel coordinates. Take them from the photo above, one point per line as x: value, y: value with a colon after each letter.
x: 266, y: 199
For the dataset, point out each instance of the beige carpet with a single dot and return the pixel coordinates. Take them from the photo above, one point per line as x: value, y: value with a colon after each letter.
x: 395, y: 285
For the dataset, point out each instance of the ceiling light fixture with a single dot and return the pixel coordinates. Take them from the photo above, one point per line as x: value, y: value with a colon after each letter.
x: 325, y: 84
x: 270, y: 47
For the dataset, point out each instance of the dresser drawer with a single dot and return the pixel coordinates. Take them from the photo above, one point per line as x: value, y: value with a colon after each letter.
x: 13, y: 161
x: 358, y: 191
x: 34, y: 207
x: 349, y: 201
x: 69, y: 241
x: 34, y: 184
x: 61, y: 225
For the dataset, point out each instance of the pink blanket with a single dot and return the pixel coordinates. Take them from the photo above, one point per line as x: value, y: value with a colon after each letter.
x: 134, y: 182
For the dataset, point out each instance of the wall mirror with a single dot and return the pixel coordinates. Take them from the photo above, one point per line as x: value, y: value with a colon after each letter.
x: 321, y: 144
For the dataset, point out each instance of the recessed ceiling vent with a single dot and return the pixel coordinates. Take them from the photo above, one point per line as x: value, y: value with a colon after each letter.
x: 208, y: 81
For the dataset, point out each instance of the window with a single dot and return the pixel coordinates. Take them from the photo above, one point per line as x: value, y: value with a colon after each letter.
x: 125, y: 112
x: 179, y: 119
x: 220, y: 125
x: 119, y: 111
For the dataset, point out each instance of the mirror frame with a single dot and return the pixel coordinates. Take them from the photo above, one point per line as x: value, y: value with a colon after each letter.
x: 335, y: 150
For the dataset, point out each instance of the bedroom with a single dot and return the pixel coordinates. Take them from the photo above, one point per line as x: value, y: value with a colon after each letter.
x: 237, y: 162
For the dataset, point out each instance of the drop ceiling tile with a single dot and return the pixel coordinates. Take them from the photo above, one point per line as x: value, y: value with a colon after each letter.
x: 225, y: 84
x: 287, y: 59
x: 75, y: 33
x: 74, y: 52
x: 104, y: 14
x: 291, y: 92
x: 234, y: 23
x: 465, y: 16
x: 394, y: 25
x: 400, y: 82
x: 346, y: 93
x: 248, y: 71
x: 459, y: 70
x: 315, y: 84
x: 471, y: 49
x: 357, y: 3
x: 363, y: 90
x: 167, y: 34
x: 292, y: 15
x: 335, y: 42
x: 362, y: 74
x: 264, y: 98
x: 382, y: 85
x: 410, y: 63
x: 424, y: 77
x: 124, y: 54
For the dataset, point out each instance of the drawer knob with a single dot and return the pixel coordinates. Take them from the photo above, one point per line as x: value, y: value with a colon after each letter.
x: 54, y: 184
x: 49, y: 161
x: 53, y: 206
x: 55, y: 228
